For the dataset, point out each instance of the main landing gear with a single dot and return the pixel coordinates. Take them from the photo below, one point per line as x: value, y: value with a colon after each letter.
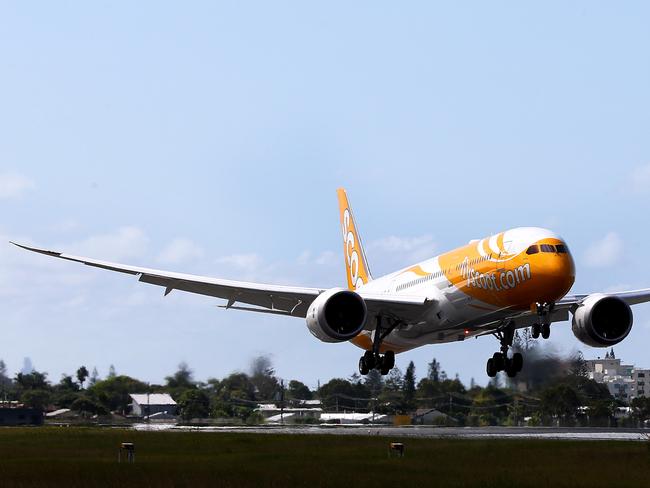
x: 372, y: 359
x: 543, y: 327
x: 500, y: 360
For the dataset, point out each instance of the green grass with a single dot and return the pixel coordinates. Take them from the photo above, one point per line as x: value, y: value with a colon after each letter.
x: 87, y: 457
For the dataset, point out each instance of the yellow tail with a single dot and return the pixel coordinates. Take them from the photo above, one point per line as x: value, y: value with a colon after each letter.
x: 356, y: 264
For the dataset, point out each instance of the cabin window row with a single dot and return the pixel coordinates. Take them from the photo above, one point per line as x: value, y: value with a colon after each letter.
x: 419, y: 281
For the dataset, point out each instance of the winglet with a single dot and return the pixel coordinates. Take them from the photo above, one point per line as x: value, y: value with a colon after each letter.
x: 356, y: 264
x: 36, y: 249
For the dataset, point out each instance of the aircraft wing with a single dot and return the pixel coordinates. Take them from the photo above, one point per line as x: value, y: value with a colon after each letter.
x: 560, y: 312
x: 630, y: 297
x: 274, y: 299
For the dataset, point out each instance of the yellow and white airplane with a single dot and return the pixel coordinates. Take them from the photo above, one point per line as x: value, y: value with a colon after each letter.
x: 493, y: 286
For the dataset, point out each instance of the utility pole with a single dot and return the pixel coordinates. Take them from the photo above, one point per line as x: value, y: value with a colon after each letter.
x: 282, y: 402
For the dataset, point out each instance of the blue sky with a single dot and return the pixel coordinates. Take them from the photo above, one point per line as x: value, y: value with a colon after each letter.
x: 210, y: 137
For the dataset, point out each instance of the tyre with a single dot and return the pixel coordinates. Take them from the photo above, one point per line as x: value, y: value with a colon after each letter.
x: 490, y: 368
x: 546, y: 331
x: 363, y: 367
x: 389, y: 360
x: 499, y: 361
x: 510, y: 370
x: 517, y: 361
x: 369, y: 359
x: 535, y: 331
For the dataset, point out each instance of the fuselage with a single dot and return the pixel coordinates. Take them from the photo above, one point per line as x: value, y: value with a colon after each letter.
x: 478, y: 283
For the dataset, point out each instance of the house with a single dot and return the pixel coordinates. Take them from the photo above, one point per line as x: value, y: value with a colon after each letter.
x: 624, y: 381
x: 146, y: 404
x: 432, y: 416
x: 14, y: 413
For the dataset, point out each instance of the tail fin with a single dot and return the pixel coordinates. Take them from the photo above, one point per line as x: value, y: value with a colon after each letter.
x: 356, y: 264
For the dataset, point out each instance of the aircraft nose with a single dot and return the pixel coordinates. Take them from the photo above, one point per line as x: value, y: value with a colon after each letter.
x: 559, y: 271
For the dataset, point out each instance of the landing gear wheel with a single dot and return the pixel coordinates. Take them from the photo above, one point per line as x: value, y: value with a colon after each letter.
x: 536, y: 331
x: 370, y: 359
x: 546, y: 331
x: 491, y: 368
x: 389, y: 360
x: 384, y: 369
x: 510, y: 369
x: 363, y: 367
x: 517, y: 362
x: 499, y: 361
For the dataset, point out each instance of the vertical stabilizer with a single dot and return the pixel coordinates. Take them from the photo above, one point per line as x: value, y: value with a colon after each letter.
x: 356, y: 264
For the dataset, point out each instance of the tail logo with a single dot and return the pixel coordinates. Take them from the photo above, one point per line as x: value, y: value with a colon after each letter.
x: 351, y: 252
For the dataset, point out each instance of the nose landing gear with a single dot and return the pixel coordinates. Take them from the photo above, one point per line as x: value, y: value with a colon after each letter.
x: 543, y: 328
x: 372, y: 359
x: 500, y: 360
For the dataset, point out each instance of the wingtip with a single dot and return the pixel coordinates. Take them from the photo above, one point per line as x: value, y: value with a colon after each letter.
x: 36, y: 249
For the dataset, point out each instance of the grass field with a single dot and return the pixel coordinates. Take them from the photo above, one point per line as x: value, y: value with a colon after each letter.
x: 78, y: 457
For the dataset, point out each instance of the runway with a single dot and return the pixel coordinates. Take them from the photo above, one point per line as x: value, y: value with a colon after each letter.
x: 562, y: 433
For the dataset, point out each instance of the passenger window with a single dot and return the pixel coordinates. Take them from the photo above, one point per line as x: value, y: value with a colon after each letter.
x: 547, y: 248
x: 561, y: 248
x: 532, y: 250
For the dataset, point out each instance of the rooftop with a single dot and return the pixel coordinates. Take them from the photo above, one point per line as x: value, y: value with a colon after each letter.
x: 152, y: 399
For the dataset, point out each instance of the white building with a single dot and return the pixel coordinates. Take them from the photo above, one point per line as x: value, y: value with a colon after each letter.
x: 145, y: 404
x: 624, y: 381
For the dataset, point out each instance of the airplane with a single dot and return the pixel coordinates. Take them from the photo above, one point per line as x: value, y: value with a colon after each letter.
x: 493, y: 286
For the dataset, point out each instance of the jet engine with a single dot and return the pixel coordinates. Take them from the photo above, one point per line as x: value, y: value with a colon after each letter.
x: 336, y: 315
x: 602, y: 320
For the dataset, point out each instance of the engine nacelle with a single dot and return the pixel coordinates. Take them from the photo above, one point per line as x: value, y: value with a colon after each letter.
x: 336, y: 315
x: 602, y: 320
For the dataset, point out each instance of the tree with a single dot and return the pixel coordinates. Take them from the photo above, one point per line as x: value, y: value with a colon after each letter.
x: 409, y: 386
x: 433, y: 372
x: 641, y: 408
x: 181, y: 380
x: 578, y: 366
x: 67, y: 384
x: 374, y: 381
x: 5, y: 381
x: 94, y: 377
x: 87, y: 406
x: 194, y: 404
x: 560, y: 401
x: 113, y: 392
x: 339, y: 393
x: 82, y: 374
x: 111, y: 371
x: 234, y: 396
x: 299, y: 391
x: 36, y: 398
x: 32, y: 381
x: 263, y: 377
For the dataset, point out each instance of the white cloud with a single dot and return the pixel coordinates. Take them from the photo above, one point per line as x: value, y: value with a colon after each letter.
x: 640, y: 179
x: 248, y: 262
x: 126, y: 243
x: 13, y: 185
x: 328, y: 258
x: 604, y: 252
x: 180, y: 250
x: 411, y: 248
x: 619, y: 287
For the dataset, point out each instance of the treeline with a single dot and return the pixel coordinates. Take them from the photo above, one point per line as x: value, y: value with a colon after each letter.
x: 550, y: 390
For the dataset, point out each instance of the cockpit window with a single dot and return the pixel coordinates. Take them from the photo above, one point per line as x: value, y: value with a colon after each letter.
x: 547, y: 248
x: 532, y: 250
x: 561, y: 248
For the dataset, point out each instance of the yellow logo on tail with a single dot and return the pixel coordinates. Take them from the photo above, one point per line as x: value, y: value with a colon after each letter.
x: 356, y: 265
